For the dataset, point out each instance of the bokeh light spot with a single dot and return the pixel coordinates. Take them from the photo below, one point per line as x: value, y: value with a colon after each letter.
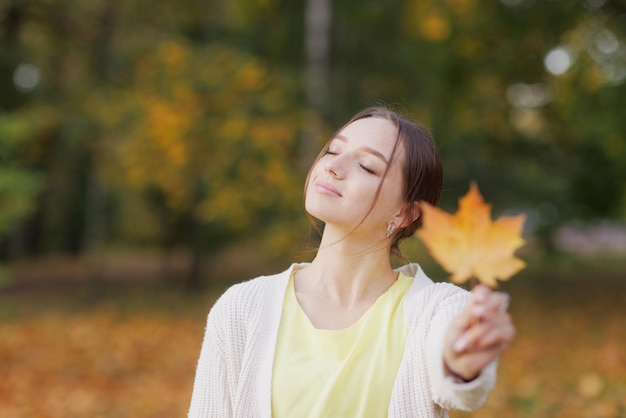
x: 558, y: 61
x: 528, y: 95
x: 26, y: 77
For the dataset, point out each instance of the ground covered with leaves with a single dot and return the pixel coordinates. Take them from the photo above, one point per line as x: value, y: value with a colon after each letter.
x: 121, y: 350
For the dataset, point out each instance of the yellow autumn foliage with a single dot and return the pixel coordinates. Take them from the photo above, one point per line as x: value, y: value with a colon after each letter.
x: 205, y: 115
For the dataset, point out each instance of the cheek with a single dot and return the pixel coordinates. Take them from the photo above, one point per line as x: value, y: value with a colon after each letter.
x: 312, y: 175
x: 391, y: 194
x: 309, y: 185
x: 315, y: 170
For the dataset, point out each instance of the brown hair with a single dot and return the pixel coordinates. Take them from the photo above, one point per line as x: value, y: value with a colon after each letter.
x: 422, y: 171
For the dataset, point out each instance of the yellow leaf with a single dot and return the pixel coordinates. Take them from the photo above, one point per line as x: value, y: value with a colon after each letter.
x: 468, y: 244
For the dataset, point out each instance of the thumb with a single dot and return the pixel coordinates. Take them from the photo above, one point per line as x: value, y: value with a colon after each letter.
x: 463, y: 320
x: 458, y: 325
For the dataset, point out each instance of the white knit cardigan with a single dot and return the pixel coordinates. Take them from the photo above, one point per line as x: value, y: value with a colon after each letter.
x: 234, y: 373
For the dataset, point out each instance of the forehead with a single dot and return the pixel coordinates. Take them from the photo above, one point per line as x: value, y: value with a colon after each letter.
x: 371, y: 130
x: 376, y: 133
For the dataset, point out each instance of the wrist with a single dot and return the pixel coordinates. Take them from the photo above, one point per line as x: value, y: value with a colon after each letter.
x: 458, y: 378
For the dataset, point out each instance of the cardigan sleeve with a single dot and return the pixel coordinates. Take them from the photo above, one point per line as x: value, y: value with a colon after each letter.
x: 445, y: 391
x: 213, y: 384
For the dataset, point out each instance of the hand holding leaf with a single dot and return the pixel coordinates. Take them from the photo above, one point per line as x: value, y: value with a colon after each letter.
x: 468, y: 244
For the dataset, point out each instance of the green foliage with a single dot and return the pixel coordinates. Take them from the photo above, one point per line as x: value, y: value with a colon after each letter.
x: 4, y: 278
x: 19, y: 184
x: 207, y: 131
x: 191, y: 113
x: 18, y: 189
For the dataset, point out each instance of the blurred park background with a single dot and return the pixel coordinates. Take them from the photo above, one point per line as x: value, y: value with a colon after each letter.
x: 152, y: 153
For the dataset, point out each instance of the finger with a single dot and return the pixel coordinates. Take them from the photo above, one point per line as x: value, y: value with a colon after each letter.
x: 493, y: 303
x: 496, y: 330
x: 461, y: 322
x: 504, y: 303
x: 469, y: 318
x: 500, y: 335
x: 470, y: 363
x: 480, y: 293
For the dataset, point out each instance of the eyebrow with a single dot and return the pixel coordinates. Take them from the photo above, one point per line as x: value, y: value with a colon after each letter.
x: 367, y: 149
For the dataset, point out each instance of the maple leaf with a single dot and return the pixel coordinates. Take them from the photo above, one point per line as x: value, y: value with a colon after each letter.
x: 468, y: 244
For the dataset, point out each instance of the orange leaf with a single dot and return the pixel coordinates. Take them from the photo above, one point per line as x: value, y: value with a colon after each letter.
x: 468, y: 244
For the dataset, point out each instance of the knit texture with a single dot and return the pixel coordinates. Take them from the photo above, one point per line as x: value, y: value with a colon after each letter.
x: 234, y: 373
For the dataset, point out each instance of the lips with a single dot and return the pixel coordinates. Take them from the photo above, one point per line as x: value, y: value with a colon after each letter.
x: 326, y: 189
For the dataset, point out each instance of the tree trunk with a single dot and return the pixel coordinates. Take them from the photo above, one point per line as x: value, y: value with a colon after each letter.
x: 96, y: 198
x: 196, y: 239
x: 318, y: 19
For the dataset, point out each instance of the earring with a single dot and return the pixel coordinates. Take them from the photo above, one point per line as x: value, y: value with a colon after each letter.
x: 390, y: 229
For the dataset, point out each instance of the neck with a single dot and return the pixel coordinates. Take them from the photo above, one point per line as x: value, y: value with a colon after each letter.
x: 350, y: 268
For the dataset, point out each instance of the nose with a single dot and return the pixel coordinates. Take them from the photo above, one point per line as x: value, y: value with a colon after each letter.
x: 332, y: 168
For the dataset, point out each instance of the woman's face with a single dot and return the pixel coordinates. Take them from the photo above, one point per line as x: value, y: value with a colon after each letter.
x: 343, y: 183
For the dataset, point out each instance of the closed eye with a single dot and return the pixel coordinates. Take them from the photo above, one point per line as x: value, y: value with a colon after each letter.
x: 369, y: 170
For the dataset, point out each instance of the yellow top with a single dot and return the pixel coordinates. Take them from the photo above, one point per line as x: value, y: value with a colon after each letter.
x: 339, y: 373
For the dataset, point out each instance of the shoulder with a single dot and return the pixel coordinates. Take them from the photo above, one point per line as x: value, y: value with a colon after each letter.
x: 245, y: 300
x: 252, y: 291
x: 424, y: 284
x: 428, y: 298
x: 242, y: 312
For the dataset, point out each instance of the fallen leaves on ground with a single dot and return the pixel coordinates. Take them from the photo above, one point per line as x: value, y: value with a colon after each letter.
x: 567, y: 359
x: 136, y: 357
x: 98, y: 363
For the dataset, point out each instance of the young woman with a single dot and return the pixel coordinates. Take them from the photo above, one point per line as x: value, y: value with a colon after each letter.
x: 347, y: 335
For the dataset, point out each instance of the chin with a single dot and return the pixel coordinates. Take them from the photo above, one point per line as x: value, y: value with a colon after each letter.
x: 323, y: 213
x: 316, y: 212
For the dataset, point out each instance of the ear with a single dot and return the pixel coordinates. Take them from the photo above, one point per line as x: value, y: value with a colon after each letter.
x: 407, y: 214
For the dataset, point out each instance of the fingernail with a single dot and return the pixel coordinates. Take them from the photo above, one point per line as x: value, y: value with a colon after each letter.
x: 479, y: 311
x: 505, y: 303
x: 480, y: 296
x: 460, y: 345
